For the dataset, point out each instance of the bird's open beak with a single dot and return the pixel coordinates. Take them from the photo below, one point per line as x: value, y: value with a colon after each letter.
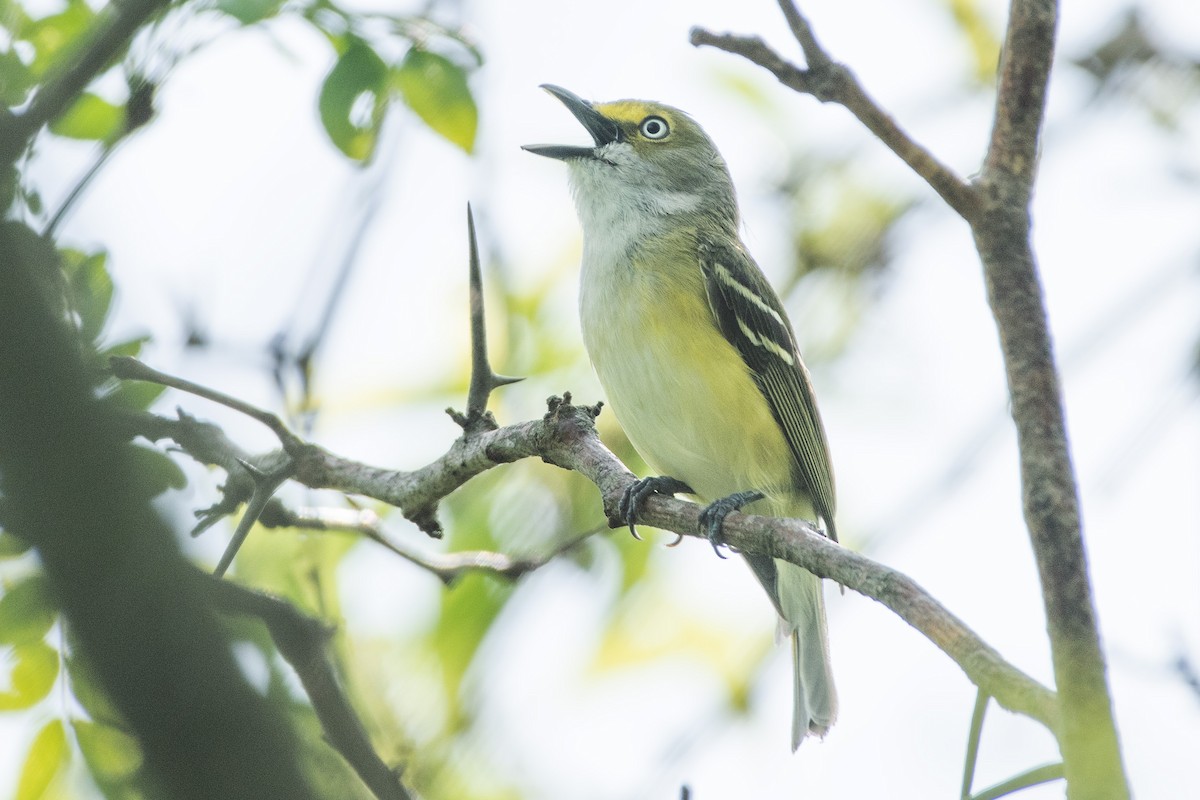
x: 603, y: 130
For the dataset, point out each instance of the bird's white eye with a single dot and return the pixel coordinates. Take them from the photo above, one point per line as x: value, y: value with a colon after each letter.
x: 654, y: 128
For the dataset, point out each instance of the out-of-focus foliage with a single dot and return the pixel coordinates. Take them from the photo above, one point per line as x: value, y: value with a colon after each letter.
x: 980, y: 35
x: 436, y: 89
x: 430, y: 78
x: 32, y: 633
x: 48, y: 757
x: 1133, y: 64
x: 354, y: 98
x: 378, y: 59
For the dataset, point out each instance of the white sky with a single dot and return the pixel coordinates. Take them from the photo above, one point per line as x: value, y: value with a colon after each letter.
x: 233, y: 196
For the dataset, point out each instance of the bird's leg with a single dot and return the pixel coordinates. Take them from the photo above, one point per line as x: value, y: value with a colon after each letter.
x: 639, y: 490
x: 712, y: 518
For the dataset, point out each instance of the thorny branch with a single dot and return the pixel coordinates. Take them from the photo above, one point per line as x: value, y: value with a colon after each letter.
x: 566, y: 437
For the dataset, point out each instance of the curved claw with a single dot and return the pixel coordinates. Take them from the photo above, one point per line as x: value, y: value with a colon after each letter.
x: 638, y: 491
x: 712, y: 518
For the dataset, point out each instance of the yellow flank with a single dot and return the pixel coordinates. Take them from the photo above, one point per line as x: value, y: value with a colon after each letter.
x: 702, y: 419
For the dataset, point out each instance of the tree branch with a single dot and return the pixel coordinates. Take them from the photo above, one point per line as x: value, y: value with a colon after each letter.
x: 130, y: 369
x: 566, y: 437
x: 831, y: 82
x: 301, y: 640
x: 1088, y: 737
x: 795, y: 541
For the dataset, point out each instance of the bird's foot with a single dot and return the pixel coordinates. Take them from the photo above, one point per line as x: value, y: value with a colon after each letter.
x: 712, y: 518
x: 638, y: 491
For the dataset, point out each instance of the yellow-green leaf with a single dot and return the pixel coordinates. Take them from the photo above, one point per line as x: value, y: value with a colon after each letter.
x: 353, y: 99
x: 981, y: 37
x: 135, y: 395
x: 436, y: 89
x: 27, y: 611
x: 91, y: 118
x: 34, y: 670
x: 46, y: 758
x: 52, y: 36
x: 111, y: 754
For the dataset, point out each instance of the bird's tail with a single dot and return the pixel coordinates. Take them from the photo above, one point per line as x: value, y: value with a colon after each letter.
x: 814, y: 704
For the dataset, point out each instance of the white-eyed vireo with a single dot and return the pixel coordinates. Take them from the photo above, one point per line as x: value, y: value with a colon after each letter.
x: 696, y: 353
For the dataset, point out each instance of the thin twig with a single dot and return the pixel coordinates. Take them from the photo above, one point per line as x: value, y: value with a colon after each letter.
x: 814, y: 54
x: 128, y: 368
x: 302, y: 641
x: 1027, y: 779
x: 977, y: 715
x: 448, y: 567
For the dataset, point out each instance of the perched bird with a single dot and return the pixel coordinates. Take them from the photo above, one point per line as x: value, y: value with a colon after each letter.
x: 696, y: 354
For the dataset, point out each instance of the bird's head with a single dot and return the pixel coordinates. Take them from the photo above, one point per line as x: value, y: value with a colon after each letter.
x: 647, y: 158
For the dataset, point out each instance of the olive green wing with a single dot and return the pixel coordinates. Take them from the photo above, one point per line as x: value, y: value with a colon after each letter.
x: 751, y: 317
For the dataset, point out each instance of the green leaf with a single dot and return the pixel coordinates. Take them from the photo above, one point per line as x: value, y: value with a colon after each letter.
x: 52, y: 35
x: 27, y: 610
x: 468, y: 610
x: 249, y: 12
x: 129, y: 347
x: 353, y: 99
x: 436, y: 89
x: 91, y: 118
x: 86, y: 688
x: 154, y: 472
x: 12, y: 546
x: 111, y: 754
x: 91, y: 290
x: 15, y: 79
x: 34, y: 670
x: 135, y: 395
x: 47, y: 757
